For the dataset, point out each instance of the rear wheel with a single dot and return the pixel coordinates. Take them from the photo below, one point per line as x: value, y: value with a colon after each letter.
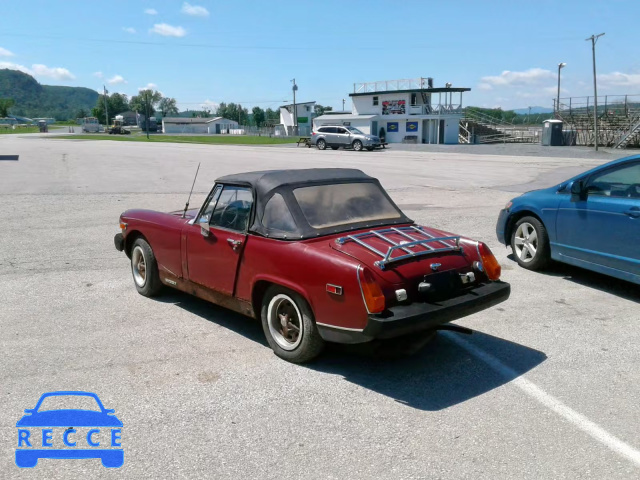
x: 144, y: 269
x: 530, y: 243
x: 321, y: 144
x: 357, y: 145
x: 288, y: 324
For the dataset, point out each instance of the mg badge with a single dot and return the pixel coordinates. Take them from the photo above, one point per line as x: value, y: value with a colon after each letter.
x: 435, y: 266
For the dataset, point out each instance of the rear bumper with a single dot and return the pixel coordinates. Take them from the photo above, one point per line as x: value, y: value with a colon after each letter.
x: 419, y: 317
x: 118, y: 240
x: 501, y: 226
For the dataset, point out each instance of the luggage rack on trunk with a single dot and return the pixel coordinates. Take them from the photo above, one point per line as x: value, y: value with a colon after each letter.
x: 448, y: 244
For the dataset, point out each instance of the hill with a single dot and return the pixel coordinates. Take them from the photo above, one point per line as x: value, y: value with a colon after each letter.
x: 534, y: 110
x: 35, y: 100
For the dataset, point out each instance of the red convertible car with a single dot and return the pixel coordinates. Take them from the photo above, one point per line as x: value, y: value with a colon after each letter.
x: 317, y: 254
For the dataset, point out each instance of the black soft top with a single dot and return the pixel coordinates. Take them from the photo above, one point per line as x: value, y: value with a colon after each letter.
x: 267, y: 183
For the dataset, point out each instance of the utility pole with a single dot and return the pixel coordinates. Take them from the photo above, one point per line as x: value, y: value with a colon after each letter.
x: 106, y: 107
x: 343, y: 104
x: 594, y: 39
x: 560, y: 67
x: 295, y: 112
x: 528, y: 115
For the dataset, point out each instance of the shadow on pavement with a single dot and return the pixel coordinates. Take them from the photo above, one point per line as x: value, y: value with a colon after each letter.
x: 587, y: 278
x: 440, y: 375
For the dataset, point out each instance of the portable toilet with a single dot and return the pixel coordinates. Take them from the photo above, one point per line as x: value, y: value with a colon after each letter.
x: 552, y: 133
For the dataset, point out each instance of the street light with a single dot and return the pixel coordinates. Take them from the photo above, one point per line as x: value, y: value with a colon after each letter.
x: 594, y: 39
x: 560, y: 67
x: 295, y: 113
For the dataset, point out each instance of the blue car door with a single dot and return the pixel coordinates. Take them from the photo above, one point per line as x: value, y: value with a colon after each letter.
x: 603, y: 227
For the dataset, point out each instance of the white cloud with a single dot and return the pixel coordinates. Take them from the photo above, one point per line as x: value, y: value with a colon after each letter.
x: 129, y: 29
x: 168, y: 30
x: 151, y: 11
x: 194, y: 10
x: 5, y: 53
x: 533, y: 76
x: 619, y: 80
x: 116, y: 79
x: 39, y: 70
x: 98, y: 74
x: 149, y: 86
x: 210, y: 105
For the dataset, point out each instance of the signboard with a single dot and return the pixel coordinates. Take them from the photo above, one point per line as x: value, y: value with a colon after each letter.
x: 412, y: 126
x: 394, y: 107
x: 392, y: 126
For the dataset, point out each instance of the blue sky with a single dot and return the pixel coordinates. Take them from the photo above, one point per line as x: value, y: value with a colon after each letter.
x: 206, y: 52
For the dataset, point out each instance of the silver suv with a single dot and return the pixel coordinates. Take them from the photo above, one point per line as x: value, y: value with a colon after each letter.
x: 343, y: 136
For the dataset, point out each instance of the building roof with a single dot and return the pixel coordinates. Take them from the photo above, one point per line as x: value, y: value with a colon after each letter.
x: 194, y: 120
x: 414, y: 90
x: 297, y: 103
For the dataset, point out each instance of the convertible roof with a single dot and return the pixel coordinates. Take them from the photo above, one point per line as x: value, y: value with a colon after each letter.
x: 265, y: 181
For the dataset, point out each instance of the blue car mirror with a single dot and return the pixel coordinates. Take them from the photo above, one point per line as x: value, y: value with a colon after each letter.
x: 578, y: 191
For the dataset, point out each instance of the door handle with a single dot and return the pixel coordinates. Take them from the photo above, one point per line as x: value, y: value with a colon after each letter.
x: 633, y: 212
x: 234, y: 243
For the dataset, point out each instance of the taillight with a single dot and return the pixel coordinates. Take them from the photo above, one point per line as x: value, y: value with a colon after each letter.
x: 489, y: 262
x: 371, y: 291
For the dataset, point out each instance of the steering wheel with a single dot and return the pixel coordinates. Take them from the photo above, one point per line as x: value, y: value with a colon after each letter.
x: 633, y: 191
x: 232, y: 210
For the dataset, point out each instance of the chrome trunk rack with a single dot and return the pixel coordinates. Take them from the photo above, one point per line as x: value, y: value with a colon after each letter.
x: 446, y: 244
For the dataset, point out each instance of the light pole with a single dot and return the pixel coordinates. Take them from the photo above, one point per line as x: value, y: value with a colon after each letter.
x: 295, y: 113
x: 343, y: 104
x: 560, y: 67
x: 106, y: 109
x: 594, y: 39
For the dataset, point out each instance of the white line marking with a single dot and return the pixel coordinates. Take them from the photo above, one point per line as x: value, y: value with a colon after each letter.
x: 549, y: 401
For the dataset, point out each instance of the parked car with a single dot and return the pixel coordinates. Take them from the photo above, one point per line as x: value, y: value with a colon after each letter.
x: 344, y: 136
x: 318, y: 255
x: 591, y: 220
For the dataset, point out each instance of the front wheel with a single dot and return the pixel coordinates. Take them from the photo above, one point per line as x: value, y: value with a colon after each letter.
x: 145, y: 269
x: 530, y: 243
x: 357, y: 145
x: 288, y: 324
x: 321, y: 144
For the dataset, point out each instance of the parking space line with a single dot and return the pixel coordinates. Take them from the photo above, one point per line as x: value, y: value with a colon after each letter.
x: 583, y: 423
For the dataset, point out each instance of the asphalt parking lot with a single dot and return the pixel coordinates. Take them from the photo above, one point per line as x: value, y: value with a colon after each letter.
x: 548, y: 386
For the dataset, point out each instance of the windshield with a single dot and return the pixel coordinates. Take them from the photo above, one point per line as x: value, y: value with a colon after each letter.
x: 354, y: 130
x: 326, y: 206
x: 65, y: 402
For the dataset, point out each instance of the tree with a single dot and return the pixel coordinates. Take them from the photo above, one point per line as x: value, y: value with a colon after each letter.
x: 272, y: 116
x: 319, y: 109
x: 116, y: 103
x: 82, y: 113
x: 258, y: 116
x: 145, y: 102
x: 167, y: 106
x: 5, y: 105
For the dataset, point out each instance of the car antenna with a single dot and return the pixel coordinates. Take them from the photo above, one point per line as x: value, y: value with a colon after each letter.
x: 186, y: 207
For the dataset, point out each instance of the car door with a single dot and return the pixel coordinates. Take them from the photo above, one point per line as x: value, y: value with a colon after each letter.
x: 603, y: 226
x: 213, y: 253
x: 342, y: 136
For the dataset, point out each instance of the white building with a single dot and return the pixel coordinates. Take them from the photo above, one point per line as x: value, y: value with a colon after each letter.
x: 410, y: 111
x: 305, y: 114
x: 198, y: 125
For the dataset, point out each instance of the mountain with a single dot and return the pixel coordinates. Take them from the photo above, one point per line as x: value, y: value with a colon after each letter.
x: 35, y: 100
x: 534, y: 110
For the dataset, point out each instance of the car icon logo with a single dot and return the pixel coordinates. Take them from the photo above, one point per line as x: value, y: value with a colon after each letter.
x: 69, y: 433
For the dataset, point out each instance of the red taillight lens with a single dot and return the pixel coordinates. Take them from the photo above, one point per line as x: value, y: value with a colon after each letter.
x: 313, y: 133
x: 489, y: 262
x: 371, y: 291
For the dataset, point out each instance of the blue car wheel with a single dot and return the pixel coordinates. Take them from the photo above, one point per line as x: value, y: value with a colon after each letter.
x: 530, y: 243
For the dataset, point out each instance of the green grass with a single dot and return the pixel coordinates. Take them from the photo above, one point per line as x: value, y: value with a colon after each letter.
x: 209, y: 139
x: 9, y: 131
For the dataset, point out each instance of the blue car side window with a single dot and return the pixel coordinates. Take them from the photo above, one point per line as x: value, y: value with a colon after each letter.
x: 618, y: 183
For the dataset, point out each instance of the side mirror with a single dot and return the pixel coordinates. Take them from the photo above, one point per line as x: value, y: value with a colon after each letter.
x: 204, y: 226
x: 578, y: 192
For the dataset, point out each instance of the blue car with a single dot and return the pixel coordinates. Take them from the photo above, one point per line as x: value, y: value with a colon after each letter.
x: 591, y: 220
x: 42, y: 420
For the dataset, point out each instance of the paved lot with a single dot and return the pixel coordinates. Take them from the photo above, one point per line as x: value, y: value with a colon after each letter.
x: 547, y: 387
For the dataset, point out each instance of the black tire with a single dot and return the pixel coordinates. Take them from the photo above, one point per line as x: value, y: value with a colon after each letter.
x: 357, y: 145
x: 321, y: 144
x: 334, y: 148
x: 530, y: 232
x: 147, y: 284
x: 308, y: 343
x: 370, y: 149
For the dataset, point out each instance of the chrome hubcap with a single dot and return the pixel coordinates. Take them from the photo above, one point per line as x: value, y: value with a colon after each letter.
x: 285, y: 322
x: 526, y: 242
x: 138, y: 266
